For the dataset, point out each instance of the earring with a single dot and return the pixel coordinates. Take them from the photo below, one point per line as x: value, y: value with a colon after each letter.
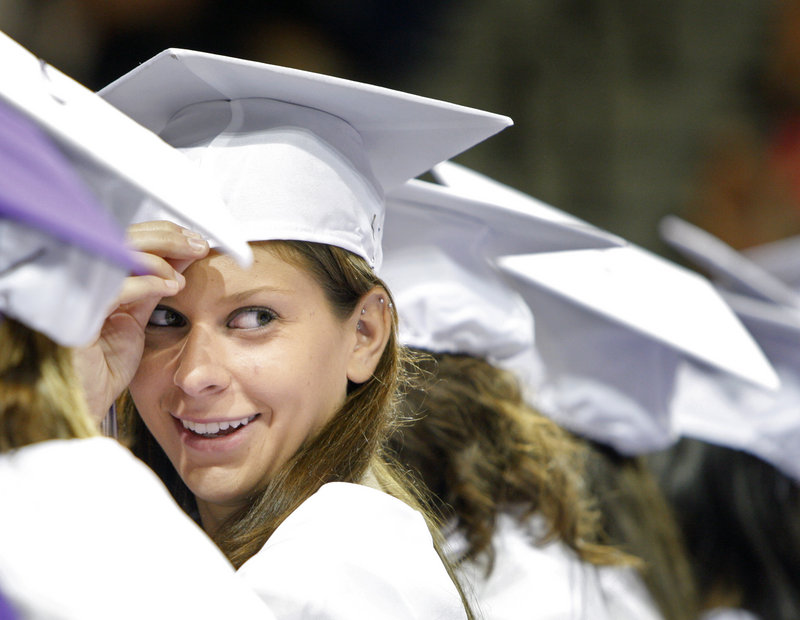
x: 363, y: 311
x: 359, y: 327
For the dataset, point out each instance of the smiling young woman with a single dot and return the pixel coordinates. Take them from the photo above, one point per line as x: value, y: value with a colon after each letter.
x: 236, y: 380
x: 263, y: 396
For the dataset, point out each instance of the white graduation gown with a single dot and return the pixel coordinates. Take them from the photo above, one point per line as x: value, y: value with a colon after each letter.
x: 348, y: 552
x: 728, y: 613
x: 540, y: 582
x: 627, y: 595
x: 88, y: 532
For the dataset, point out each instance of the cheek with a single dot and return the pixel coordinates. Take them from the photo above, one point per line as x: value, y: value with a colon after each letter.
x: 147, y: 384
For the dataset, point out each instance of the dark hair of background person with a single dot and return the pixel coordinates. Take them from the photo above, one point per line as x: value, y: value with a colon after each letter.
x: 638, y: 520
x: 741, y: 520
x: 480, y: 450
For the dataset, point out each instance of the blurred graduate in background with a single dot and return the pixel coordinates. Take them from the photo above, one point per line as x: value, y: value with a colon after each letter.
x: 508, y: 481
x: 608, y: 357
x: 733, y: 479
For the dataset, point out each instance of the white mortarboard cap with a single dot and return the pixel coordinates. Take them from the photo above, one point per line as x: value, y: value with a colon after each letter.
x: 481, y: 187
x: 449, y: 298
x: 297, y: 155
x: 720, y: 409
x: 723, y: 263
x: 128, y: 168
x: 611, y: 326
x: 781, y: 258
x: 439, y: 246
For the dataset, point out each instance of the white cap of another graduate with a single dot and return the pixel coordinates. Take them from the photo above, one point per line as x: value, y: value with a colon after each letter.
x: 439, y: 244
x: 297, y: 155
x: 128, y: 168
x: 720, y: 409
x: 62, y: 255
x: 611, y: 325
x: 781, y: 258
x: 728, y: 267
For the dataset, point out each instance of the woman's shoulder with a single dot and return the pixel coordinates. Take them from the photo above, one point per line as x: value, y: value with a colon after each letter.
x: 345, y: 504
x: 548, y: 577
x: 352, y: 551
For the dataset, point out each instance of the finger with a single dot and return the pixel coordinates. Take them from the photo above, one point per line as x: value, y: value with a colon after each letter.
x: 157, y: 266
x: 167, y: 240
x: 139, y: 288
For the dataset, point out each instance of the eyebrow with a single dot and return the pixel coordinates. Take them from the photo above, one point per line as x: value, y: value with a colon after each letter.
x: 237, y: 297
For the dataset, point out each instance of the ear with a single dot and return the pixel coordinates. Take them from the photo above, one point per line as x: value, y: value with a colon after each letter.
x: 371, y: 323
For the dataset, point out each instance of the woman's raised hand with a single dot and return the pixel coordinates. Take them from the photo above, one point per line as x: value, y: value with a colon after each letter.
x: 107, y: 366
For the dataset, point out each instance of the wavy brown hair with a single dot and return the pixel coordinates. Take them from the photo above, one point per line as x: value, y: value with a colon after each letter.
x: 481, y: 451
x: 39, y: 394
x: 347, y: 449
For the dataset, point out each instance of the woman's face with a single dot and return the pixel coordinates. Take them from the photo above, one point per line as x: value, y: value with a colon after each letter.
x: 238, y: 370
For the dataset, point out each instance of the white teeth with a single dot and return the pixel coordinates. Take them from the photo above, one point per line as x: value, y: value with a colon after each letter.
x: 212, y: 428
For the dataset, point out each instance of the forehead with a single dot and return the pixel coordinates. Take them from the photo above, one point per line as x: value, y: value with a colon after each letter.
x: 273, y: 267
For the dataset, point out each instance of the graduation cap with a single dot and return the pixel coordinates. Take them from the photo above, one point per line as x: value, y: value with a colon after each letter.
x: 781, y: 258
x: 297, y: 155
x: 720, y: 409
x: 610, y: 327
x: 128, y: 168
x: 62, y: 256
x: 730, y: 268
x: 482, y: 188
x: 439, y: 247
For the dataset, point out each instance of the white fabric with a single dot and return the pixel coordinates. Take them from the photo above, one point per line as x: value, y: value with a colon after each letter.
x: 600, y: 379
x: 724, y: 263
x: 359, y: 140
x: 88, y: 532
x: 728, y: 613
x: 449, y: 298
x: 548, y: 582
x: 439, y: 246
x: 121, y: 161
x: 781, y: 258
x: 626, y: 595
x: 722, y: 410
x: 53, y: 287
x: 350, y: 552
x: 556, y: 229
x: 652, y: 297
x: 285, y: 171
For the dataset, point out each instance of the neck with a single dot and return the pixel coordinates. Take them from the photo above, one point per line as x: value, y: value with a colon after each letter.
x: 212, y: 516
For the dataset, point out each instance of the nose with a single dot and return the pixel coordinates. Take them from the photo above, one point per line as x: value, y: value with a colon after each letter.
x: 201, y: 369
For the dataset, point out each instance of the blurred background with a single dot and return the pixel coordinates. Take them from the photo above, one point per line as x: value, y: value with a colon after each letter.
x: 625, y: 110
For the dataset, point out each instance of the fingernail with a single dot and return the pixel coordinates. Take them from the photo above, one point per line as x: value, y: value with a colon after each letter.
x: 172, y: 285
x: 197, y: 243
x: 191, y: 233
x: 178, y: 276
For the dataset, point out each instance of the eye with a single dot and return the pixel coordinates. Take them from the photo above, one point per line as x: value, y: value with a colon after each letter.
x: 251, y: 318
x: 166, y: 317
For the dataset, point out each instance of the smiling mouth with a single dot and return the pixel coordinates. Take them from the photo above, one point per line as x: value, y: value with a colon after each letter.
x: 211, y: 430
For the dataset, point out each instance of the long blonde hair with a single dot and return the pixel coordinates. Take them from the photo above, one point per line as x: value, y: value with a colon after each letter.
x: 348, y: 447
x: 40, y: 397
